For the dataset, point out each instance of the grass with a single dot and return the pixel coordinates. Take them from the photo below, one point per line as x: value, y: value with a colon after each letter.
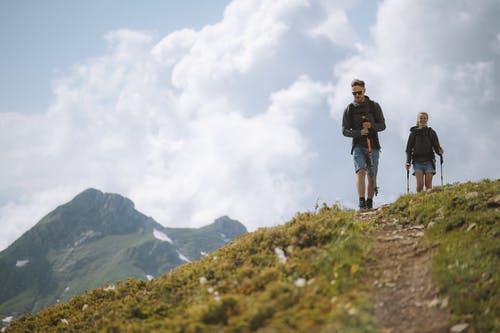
x: 463, y: 225
x: 304, y: 276
x: 243, y: 287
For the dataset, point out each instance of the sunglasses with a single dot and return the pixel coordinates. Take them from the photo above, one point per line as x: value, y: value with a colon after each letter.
x: 357, y: 93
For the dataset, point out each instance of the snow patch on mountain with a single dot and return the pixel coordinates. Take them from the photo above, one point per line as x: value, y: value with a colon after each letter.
x: 224, y: 237
x: 183, y: 257
x: 22, y: 263
x: 87, y: 235
x: 8, y: 319
x: 162, y: 236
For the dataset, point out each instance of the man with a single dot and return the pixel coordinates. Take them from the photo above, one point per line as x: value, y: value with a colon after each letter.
x: 362, y: 120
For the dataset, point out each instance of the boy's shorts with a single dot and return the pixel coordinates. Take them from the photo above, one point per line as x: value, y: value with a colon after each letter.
x: 424, y: 167
x: 362, y: 160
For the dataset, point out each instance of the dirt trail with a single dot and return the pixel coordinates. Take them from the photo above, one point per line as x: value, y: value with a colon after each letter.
x: 400, y: 280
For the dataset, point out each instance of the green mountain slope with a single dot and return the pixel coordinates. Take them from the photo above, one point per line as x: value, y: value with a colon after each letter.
x: 307, y: 275
x: 96, y: 239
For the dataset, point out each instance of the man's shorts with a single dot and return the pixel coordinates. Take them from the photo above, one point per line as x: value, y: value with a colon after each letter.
x: 424, y: 167
x: 362, y: 160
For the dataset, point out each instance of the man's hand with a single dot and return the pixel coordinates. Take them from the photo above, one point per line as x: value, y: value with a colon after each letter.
x: 366, y: 126
x: 407, y: 166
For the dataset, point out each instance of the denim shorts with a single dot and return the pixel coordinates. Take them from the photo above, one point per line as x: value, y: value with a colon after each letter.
x: 424, y: 167
x: 362, y: 161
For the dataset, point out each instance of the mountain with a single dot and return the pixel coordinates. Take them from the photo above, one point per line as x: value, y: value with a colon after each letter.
x: 96, y: 239
x: 435, y: 253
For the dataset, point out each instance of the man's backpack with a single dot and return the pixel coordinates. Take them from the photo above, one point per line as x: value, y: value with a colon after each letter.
x: 371, y: 109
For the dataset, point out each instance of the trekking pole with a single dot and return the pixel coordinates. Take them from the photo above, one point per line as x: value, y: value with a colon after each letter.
x: 372, y: 166
x: 370, y: 157
x: 407, y: 181
x: 441, y: 162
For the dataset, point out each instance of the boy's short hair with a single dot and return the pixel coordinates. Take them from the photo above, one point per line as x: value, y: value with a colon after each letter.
x: 358, y: 82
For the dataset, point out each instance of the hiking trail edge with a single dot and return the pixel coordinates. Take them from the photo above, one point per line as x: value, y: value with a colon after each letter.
x: 399, y: 279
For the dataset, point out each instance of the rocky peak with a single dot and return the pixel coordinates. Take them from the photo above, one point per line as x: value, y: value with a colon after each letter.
x: 229, y: 227
x: 90, y: 212
x: 92, y: 199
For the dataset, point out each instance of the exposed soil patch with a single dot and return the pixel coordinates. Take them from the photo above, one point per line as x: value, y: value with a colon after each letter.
x: 405, y: 299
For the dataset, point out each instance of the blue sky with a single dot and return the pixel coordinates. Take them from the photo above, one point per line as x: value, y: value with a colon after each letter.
x: 43, y: 39
x: 200, y: 109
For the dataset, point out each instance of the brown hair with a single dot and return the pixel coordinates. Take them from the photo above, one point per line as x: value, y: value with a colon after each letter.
x: 358, y: 82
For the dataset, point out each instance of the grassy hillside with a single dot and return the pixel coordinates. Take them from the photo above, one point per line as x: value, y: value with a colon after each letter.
x: 305, y: 276
x: 95, y: 239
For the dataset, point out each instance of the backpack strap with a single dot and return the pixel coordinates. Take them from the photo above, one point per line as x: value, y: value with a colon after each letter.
x: 371, y: 109
x: 351, y: 120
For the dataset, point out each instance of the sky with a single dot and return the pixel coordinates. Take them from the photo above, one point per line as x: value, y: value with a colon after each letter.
x: 199, y: 109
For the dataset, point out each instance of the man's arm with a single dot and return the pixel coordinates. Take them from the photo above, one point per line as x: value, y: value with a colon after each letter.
x: 379, y: 124
x: 347, y: 129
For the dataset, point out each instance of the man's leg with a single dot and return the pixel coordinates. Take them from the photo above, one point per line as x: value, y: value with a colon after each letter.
x: 371, y: 178
x: 360, y: 166
x: 360, y: 182
x: 419, y: 176
x: 371, y: 187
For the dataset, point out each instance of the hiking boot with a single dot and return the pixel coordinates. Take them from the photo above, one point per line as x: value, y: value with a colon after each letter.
x: 369, y: 203
x: 362, y: 204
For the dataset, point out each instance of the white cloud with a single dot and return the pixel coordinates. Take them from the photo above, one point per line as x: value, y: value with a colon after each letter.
x: 243, y: 117
x: 173, y: 47
x: 247, y: 34
x: 336, y: 28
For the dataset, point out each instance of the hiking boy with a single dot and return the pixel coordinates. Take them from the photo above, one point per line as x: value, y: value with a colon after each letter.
x: 422, y: 143
x: 362, y: 120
